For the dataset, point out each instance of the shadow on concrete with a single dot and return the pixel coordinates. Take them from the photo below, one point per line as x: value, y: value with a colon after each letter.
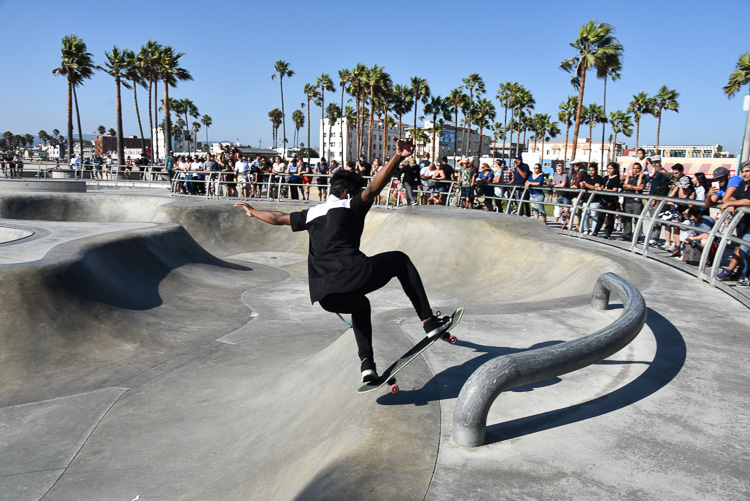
x: 669, y: 359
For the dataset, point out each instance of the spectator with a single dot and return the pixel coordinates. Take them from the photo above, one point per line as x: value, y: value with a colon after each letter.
x: 427, y: 174
x: 611, y: 183
x: 362, y: 167
x: 295, y: 179
x: 682, y: 187
x: 694, y: 241
x: 482, y: 182
x: 701, y: 185
x: 534, y: 184
x: 75, y: 164
x: 740, y: 197
x: 561, y: 181
x: 278, y: 170
x: 445, y: 177
x: 521, y: 173
x: 321, y: 168
x: 466, y: 178
x: 592, y: 181
x: 634, y: 184
x: 306, y: 172
x: 409, y: 174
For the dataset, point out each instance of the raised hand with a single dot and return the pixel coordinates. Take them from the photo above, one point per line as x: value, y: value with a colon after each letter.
x: 404, y: 147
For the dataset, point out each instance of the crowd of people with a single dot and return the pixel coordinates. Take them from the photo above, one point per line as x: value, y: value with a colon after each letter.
x: 12, y: 165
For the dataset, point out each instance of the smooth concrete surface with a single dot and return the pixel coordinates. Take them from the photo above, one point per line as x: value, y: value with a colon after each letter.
x: 43, y: 186
x: 166, y: 348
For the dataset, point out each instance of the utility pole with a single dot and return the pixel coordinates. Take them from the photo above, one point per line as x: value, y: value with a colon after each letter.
x: 260, y: 143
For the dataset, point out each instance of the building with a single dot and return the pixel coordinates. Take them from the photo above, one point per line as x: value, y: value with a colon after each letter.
x: 179, y: 145
x: 88, y: 149
x: 333, y: 141
x: 683, y: 151
x: 555, y: 151
x: 106, y: 146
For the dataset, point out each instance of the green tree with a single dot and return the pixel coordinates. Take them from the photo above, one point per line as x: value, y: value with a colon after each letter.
x: 281, y: 69
x: 207, y: 121
x: 116, y: 66
x: 665, y: 99
x: 311, y: 93
x: 457, y: 101
x: 621, y: 124
x: 76, y: 66
x: 504, y: 94
x: 640, y: 105
x: 344, y: 76
x: 483, y: 115
x: 595, y: 47
x: 298, y: 119
x: 379, y: 85
x: 43, y: 136
x: 739, y: 77
x: 439, y: 109
x: 545, y: 126
x: 403, y: 100
x: 324, y: 83
x: 275, y: 116
x: 594, y: 115
x: 112, y: 132
x: 521, y: 100
x: 149, y: 59
x: 134, y: 73
x: 567, y: 115
x: 421, y: 92
x: 171, y: 72
x: 609, y: 69
x: 472, y: 82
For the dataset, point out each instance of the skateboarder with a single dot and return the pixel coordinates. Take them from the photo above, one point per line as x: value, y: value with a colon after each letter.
x: 340, y: 275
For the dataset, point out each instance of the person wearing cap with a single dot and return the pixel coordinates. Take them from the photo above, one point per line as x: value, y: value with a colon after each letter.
x: 719, y: 192
x: 521, y: 173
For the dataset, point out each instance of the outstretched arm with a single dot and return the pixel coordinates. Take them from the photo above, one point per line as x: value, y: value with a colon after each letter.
x: 404, y: 149
x: 275, y: 218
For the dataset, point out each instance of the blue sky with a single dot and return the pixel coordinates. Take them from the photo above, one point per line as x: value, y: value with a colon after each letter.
x: 230, y: 48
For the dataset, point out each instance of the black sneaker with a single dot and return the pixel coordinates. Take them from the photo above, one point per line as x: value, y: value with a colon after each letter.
x: 436, y: 325
x: 369, y: 372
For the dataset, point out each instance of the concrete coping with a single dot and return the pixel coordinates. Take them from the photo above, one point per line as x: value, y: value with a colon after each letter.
x: 509, y: 371
x: 11, y: 234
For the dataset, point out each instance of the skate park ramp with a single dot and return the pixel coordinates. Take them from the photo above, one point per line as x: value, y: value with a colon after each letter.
x: 166, y: 348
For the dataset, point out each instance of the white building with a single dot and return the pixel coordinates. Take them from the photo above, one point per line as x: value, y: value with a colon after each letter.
x: 685, y: 151
x: 178, y: 145
x: 555, y: 151
x: 331, y: 141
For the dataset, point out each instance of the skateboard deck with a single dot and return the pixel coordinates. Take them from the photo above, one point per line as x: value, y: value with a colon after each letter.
x: 388, y: 376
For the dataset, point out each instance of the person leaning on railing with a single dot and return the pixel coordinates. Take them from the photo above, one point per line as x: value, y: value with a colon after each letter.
x: 741, y: 198
x: 609, y: 202
x: 634, y: 182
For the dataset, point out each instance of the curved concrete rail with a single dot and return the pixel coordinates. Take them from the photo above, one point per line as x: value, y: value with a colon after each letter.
x: 508, y: 371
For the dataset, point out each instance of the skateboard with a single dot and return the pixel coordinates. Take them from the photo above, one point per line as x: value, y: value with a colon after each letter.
x: 388, y: 376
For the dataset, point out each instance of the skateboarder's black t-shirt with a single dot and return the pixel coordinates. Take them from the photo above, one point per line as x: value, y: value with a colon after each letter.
x: 335, y: 263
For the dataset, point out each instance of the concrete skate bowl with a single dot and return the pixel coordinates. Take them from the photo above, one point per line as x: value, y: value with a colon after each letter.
x: 111, y: 340
x: 12, y: 234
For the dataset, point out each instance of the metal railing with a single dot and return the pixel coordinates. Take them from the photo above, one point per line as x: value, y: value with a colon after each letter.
x: 509, y: 371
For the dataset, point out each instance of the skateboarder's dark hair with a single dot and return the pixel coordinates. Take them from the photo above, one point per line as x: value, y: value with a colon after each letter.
x: 346, y: 180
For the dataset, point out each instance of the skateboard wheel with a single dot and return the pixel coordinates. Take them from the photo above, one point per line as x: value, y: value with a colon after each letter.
x: 453, y: 340
x: 394, y: 389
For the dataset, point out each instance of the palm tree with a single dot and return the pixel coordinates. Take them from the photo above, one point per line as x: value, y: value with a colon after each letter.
x: 116, y: 66
x: 484, y: 114
x: 77, y: 65
x: 504, y: 94
x: 665, y: 99
x: 275, y: 116
x: 378, y: 82
x: 403, y: 100
x: 134, y: 73
x: 457, y: 100
x: 43, y: 136
x: 439, y: 109
x: 621, y: 123
x: 520, y: 100
x: 566, y: 115
x: 195, y: 126
x: 421, y: 91
x: 473, y: 81
x: 640, y: 104
x: 325, y: 83
x: 357, y: 89
x: 610, y: 68
x: 545, y: 126
x: 150, y: 58
x: 595, y: 47
x: 282, y: 70
x: 737, y: 79
x: 344, y: 76
x: 207, y: 121
x: 350, y: 117
x: 594, y: 115
x: 171, y: 72
x: 298, y: 118
x: 311, y: 93
x: 112, y: 132
x: 333, y: 113
x: 186, y: 107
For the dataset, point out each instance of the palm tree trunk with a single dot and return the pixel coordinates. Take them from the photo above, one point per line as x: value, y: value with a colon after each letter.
x: 658, y: 132
x: 614, y: 142
x: 604, y: 125
x: 591, y: 130
x: 70, y: 118
x: 341, y: 125
x: 167, y: 121
x: 455, y: 138
x: 283, y: 116
x: 637, y: 133
x: 518, y: 136
x: 505, y: 129
x: 154, y: 125
x: 78, y: 118
x: 468, y: 122
x: 138, y: 116
x: 578, y: 114
x: 369, y: 132
x: 565, y: 152
x: 308, y: 130
x: 541, y: 159
x: 120, y: 146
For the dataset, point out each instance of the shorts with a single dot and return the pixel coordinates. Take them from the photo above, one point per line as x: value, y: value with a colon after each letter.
x: 441, y: 188
x: 242, y: 180
x: 306, y: 179
x: 466, y: 192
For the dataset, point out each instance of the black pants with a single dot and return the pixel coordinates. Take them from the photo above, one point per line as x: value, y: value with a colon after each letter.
x: 385, y: 266
x: 606, y: 205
